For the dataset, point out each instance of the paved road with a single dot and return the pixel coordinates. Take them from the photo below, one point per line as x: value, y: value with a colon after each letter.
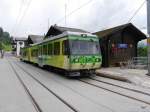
x: 13, y: 98
x: 67, y: 95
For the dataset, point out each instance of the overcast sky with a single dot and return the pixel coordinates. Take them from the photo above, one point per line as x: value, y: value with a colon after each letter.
x: 23, y: 17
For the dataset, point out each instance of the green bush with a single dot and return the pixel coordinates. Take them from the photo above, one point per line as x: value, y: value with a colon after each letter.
x: 5, y: 40
x: 142, y: 51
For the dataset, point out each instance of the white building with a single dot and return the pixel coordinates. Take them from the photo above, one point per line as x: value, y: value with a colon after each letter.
x: 18, y: 43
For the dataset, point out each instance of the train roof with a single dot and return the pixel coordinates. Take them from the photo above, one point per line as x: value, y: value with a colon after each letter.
x: 56, y: 30
x: 66, y: 33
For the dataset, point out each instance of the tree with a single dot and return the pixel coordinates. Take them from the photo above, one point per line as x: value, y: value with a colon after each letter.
x: 1, y: 46
x: 1, y: 31
x: 6, y: 35
x: 142, y: 51
x: 6, y: 38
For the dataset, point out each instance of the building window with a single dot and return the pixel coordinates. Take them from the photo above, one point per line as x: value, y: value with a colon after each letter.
x: 56, y: 48
x: 21, y: 43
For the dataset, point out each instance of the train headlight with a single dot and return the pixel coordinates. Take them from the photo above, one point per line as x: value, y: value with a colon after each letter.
x: 98, y: 59
x: 76, y: 60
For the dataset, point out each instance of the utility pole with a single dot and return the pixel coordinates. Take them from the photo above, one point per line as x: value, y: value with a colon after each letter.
x: 148, y: 31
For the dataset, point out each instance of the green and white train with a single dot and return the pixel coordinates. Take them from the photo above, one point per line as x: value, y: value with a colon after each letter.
x: 74, y: 53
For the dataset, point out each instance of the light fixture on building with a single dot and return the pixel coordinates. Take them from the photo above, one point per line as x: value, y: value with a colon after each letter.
x: 130, y: 45
x: 113, y: 45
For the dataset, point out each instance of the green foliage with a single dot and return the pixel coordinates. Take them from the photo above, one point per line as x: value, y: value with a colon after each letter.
x: 1, y: 31
x: 8, y: 47
x: 1, y: 46
x: 142, y: 51
x: 5, y: 40
x: 6, y: 35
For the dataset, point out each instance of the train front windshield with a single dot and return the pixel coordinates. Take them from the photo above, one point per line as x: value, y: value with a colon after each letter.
x: 80, y: 47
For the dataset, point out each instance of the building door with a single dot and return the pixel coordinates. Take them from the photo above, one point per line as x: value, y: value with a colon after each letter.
x: 104, y: 52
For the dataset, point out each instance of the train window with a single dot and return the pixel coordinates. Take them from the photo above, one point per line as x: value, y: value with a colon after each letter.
x: 50, y: 49
x: 35, y: 53
x: 32, y: 53
x: 45, y: 49
x: 65, y: 47
x: 56, y: 48
x: 24, y: 53
x: 41, y: 50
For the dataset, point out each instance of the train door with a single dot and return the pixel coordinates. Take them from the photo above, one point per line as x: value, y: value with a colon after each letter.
x: 50, y: 53
x: 57, y: 52
x: 29, y: 54
x: 66, y: 54
x: 40, y: 55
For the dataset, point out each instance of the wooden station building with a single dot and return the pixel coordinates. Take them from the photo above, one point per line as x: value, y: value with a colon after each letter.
x: 119, y: 44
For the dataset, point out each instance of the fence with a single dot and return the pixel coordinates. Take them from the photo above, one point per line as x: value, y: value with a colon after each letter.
x: 138, y: 63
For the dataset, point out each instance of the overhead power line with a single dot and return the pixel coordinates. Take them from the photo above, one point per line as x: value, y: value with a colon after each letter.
x: 23, y: 15
x: 18, y: 16
x: 28, y: 5
x: 72, y: 12
x: 135, y: 13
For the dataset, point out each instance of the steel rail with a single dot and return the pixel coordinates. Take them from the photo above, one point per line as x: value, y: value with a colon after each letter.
x: 32, y: 99
x: 112, y: 84
x: 130, y: 97
x: 57, y: 96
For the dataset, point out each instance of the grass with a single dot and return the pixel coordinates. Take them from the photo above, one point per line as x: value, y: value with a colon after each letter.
x: 8, y: 47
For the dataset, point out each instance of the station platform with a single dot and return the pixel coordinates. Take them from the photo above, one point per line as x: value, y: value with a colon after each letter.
x: 135, y: 76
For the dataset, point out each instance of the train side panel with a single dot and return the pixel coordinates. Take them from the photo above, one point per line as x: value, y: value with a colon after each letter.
x: 54, y: 57
x: 34, y: 54
x: 26, y: 54
x: 57, y: 53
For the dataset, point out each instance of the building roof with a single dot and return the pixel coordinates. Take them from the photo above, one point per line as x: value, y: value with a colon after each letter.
x: 56, y: 30
x: 128, y: 27
x: 15, y: 39
x: 20, y: 39
x: 34, y: 38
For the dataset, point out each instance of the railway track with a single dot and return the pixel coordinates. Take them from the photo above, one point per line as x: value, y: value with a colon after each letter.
x: 49, y: 90
x: 32, y: 99
x: 106, y: 89
x: 61, y: 84
x: 112, y: 84
x: 113, y: 91
x: 116, y: 92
